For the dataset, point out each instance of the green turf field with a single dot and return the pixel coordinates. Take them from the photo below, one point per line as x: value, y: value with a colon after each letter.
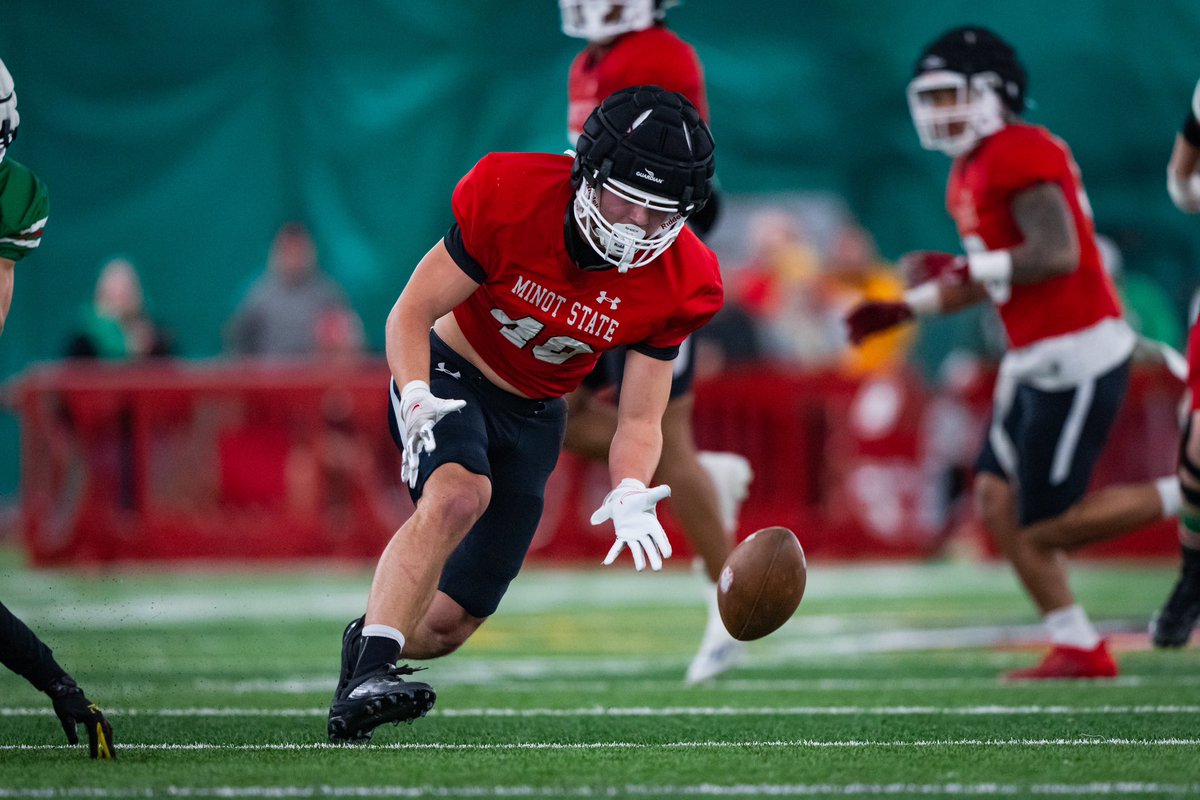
x: 883, y: 685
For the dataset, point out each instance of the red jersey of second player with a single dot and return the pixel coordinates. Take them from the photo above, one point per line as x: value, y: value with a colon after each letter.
x: 654, y: 56
x: 979, y: 197
x: 539, y: 320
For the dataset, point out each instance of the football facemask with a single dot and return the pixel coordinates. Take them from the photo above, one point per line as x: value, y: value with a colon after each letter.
x: 9, y: 118
x: 952, y: 113
x: 624, y: 245
x: 600, y: 20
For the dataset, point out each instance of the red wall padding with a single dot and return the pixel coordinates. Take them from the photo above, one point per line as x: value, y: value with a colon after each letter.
x: 241, y: 461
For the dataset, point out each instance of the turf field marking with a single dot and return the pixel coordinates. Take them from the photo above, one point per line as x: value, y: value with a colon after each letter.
x: 850, y: 744
x: 654, y: 711
x: 1121, y: 789
x: 304, y: 684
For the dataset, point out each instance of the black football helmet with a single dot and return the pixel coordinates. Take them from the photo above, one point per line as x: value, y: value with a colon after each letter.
x: 649, y: 146
x: 965, y: 87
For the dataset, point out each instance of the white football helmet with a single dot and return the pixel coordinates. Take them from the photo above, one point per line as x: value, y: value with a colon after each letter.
x: 600, y: 20
x: 9, y: 118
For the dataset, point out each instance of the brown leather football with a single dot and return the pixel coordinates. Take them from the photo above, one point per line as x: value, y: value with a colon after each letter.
x: 761, y: 583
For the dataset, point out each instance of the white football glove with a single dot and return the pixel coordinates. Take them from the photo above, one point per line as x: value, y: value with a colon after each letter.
x: 1185, y: 192
x: 419, y: 412
x: 631, y: 508
x: 9, y: 118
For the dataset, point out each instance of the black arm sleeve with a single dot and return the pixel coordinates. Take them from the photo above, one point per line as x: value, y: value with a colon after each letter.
x: 458, y: 251
x: 661, y: 353
x: 24, y: 653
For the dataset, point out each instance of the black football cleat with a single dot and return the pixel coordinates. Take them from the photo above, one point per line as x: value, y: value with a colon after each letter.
x: 1172, y: 625
x: 374, y: 699
x: 352, y: 643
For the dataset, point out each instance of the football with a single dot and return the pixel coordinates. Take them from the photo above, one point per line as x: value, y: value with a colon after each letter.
x: 761, y: 583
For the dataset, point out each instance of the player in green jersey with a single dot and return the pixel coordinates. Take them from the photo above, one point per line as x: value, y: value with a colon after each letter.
x: 24, y: 207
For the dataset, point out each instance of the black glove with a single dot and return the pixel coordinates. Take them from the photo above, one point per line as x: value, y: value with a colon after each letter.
x: 74, y: 709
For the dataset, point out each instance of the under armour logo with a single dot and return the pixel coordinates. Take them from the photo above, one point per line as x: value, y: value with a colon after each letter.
x: 441, y: 367
x: 604, y: 298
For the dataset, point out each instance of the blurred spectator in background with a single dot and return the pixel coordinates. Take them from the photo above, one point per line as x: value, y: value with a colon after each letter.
x: 852, y: 273
x: 280, y: 314
x: 116, y: 326
x: 1148, y: 308
x: 775, y: 286
x: 339, y: 335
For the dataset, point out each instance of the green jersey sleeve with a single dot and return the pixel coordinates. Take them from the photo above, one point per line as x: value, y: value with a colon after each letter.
x: 24, y: 208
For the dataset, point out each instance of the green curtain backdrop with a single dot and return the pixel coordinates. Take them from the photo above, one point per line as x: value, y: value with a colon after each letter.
x: 182, y: 133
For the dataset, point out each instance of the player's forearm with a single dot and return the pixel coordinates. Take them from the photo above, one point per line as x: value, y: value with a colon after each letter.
x: 1184, y: 157
x: 407, y: 342
x: 6, y: 289
x: 24, y: 653
x: 636, y: 448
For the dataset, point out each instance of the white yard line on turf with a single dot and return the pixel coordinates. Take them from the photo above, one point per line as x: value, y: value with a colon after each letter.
x: 773, y: 744
x: 649, y: 711
x: 1107, y: 789
x: 303, y: 684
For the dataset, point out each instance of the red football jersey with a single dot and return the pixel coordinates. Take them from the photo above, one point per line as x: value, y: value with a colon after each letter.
x: 539, y: 320
x: 653, y: 56
x: 979, y: 197
x: 1193, y: 360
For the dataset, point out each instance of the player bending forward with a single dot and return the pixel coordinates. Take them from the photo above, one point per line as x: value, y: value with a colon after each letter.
x: 550, y: 261
x: 1017, y: 199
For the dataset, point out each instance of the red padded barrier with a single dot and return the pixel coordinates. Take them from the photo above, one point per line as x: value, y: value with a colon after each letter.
x: 245, y: 461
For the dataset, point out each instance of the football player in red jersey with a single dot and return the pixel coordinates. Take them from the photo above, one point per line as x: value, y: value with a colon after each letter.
x: 629, y: 44
x: 1017, y: 199
x: 550, y: 261
x: 1172, y: 625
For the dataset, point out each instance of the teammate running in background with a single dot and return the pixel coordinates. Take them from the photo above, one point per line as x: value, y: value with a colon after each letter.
x: 1017, y: 199
x: 24, y: 208
x: 550, y: 262
x: 629, y: 44
x: 1172, y: 625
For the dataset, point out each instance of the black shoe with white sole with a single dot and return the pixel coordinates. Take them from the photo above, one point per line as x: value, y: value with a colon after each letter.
x: 376, y: 698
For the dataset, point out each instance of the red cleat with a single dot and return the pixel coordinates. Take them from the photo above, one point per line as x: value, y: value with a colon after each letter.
x: 1069, y: 662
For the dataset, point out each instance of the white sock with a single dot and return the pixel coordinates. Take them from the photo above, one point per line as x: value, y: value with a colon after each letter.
x: 386, y: 631
x: 1170, y: 495
x: 1071, y: 627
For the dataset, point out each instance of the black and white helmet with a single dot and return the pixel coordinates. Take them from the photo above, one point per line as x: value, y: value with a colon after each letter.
x: 601, y: 20
x: 965, y: 87
x: 9, y: 118
x: 648, y: 146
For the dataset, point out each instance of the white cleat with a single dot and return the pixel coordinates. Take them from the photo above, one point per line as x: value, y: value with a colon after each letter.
x: 731, y: 475
x: 718, y: 650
